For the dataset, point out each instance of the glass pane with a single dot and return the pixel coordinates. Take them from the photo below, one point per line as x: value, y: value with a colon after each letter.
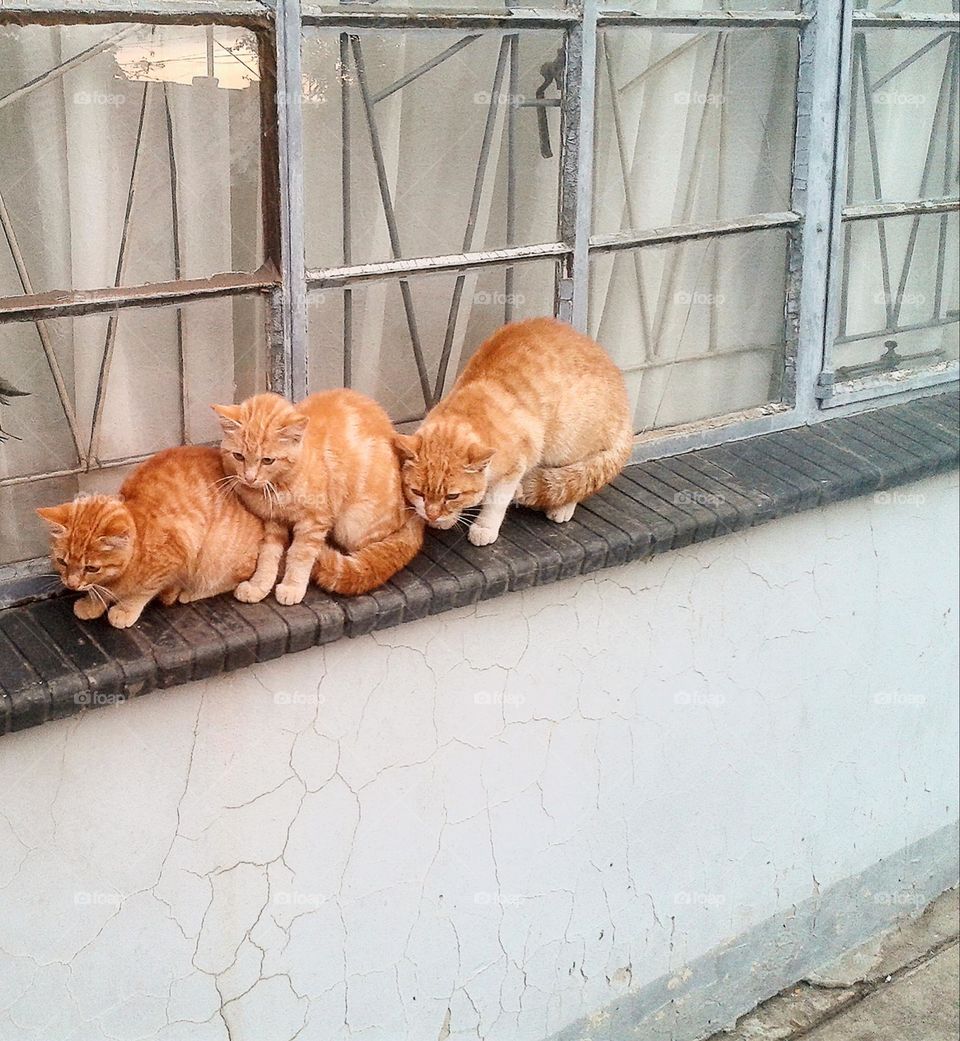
x: 142, y: 408
x: 693, y: 126
x: 163, y: 120
x: 908, y: 6
x: 443, y: 138
x: 703, y: 335
x: 700, y: 6
x: 382, y: 361
x: 900, y: 299
x: 363, y: 6
x: 903, y: 126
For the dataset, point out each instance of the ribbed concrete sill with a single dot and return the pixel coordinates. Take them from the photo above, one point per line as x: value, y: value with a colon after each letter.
x: 52, y: 665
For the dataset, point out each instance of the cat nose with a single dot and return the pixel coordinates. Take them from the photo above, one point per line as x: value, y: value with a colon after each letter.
x: 72, y: 581
x: 433, y: 512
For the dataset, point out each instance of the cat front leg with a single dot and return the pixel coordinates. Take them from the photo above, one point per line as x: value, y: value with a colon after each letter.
x: 500, y: 494
x: 126, y: 613
x: 89, y: 607
x: 308, y: 540
x: 263, y: 579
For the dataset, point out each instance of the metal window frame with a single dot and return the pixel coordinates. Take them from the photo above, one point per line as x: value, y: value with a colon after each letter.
x: 824, y: 31
x: 832, y: 393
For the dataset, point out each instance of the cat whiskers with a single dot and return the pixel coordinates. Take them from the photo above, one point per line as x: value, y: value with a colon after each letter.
x: 225, y: 486
x: 104, y: 595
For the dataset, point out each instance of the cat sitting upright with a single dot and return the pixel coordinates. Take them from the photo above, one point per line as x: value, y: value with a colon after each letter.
x: 539, y: 416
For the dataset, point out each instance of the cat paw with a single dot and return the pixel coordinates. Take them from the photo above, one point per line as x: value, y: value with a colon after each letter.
x: 561, y: 514
x: 168, y: 597
x: 122, y: 617
x: 88, y: 609
x: 480, y: 535
x: 289, y: 593
x: 248, y: 593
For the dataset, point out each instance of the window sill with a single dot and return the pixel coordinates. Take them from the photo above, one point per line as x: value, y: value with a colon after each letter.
x: 52, y: 665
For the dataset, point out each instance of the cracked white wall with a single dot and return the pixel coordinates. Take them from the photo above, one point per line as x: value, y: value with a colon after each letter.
x: 489, y: 823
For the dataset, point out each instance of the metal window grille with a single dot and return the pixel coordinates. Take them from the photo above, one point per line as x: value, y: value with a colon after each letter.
x: 832, y: 65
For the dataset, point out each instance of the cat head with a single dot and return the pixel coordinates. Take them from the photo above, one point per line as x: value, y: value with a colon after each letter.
x: 444, y: 472
x: 262, y: 439
x: 92, y: 540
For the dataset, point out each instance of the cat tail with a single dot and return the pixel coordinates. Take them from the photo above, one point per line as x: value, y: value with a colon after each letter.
x: 549, y: 487
x: 354, y: 573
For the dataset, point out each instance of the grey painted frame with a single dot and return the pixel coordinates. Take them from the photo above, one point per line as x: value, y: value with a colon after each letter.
x: 822, y: 113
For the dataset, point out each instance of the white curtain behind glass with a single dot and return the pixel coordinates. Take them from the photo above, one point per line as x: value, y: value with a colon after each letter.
x: 65, y: 168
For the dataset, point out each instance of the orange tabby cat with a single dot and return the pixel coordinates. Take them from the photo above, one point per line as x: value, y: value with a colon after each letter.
x: 539, y: 416
x: 172, y: 532
x: 325, y: 468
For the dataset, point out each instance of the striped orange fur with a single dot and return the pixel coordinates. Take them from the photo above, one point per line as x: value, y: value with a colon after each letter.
x: 326, y: 471
x: 539, y: 416
x: 173, y: 531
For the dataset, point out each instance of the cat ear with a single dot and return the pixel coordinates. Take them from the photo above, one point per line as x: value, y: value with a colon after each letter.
x: 478, y: 456
x: 57, y: 517
x: 292, y: 431
x: 229, y: 416
x: 407, y: 446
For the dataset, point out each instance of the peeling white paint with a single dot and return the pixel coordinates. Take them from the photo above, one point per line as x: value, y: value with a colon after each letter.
x: 487, y: 824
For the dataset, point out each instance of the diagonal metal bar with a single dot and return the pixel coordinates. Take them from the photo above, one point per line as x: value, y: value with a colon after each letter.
x: 63, y: 68
x: 43, y: 333
x: 907, y: 62
x: 513, y: 91
x: 111, y: 337
x: 177, y: 267
x: 391, y: 218
x: 478, y: 183
x: 714, y: 312
x: 667, y: 59
x: 616, y: 108
x: 938, y: 116
x: 427, y: 66
x: 346, y: 205
x: 948, y: 173
x: 869, y: 116
x: 667, y: 289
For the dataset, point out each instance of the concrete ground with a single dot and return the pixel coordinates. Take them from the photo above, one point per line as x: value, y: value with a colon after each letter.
x: 901, y: 986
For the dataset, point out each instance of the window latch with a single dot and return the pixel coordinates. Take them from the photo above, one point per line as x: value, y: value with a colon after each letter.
x: 552, y: 73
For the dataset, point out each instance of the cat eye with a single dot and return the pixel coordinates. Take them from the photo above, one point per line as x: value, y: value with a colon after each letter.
x: 61, y: 561
x: 238, y: 456
x: 452, y: 496
x: 416, y: 493
x: 268, y: 462
x: 92, y: 569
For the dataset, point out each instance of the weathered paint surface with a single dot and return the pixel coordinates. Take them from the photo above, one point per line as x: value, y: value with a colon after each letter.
x: 491, y: 823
